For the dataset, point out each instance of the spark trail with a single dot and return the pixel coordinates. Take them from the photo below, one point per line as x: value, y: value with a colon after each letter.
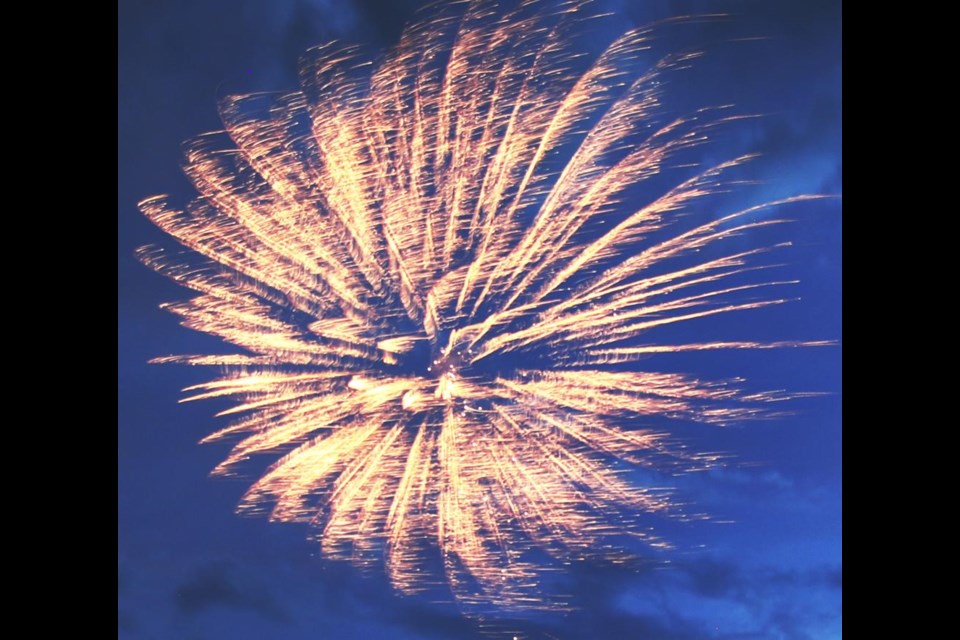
x: 388, y: 244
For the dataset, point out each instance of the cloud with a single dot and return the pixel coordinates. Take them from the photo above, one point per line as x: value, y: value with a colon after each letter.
x: 643, y: 599
x: 126, y: 623
x: 700, y: 597
x: 217, y: 585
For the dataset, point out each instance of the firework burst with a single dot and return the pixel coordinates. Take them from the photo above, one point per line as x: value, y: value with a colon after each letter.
x: 435, y: 270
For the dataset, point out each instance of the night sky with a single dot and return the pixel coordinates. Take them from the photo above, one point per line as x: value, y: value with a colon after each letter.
x: 768, y: 565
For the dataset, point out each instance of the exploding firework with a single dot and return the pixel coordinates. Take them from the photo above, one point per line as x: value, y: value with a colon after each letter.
x: 438, y: 273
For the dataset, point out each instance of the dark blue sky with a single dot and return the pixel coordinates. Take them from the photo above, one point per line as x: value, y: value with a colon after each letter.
x: 770, y: 564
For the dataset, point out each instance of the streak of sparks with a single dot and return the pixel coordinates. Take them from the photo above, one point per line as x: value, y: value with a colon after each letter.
x: 384, y: 249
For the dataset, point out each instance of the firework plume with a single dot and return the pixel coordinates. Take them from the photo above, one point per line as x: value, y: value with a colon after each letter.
x: 439, y: 274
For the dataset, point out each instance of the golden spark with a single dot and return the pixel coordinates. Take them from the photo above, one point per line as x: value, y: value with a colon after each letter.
x: 388, y: 244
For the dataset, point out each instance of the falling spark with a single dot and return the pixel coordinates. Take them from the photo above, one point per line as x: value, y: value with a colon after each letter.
x: 388, y: 247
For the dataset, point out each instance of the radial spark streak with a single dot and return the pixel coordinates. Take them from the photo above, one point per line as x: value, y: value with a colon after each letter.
x: 442, y: 280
